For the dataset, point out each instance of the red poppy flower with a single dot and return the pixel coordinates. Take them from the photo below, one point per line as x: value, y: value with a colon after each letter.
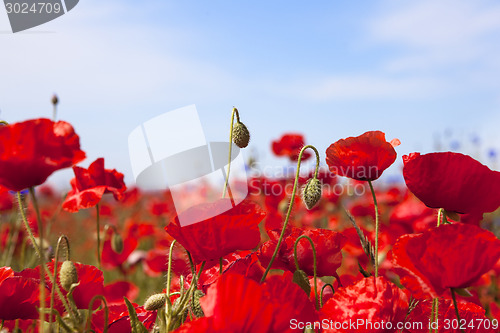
x: 289, y: 302
x: 32, y: 150
x: 18, y: 296
x: 289, y: 145
x: 119, y: 320
x: 413, y: 213
x: 472, y: 318
x: 115, y: 291
x: 89, y: 185
x: 244, y: 263
x: 6, y: 199
x: 233, y: 304
x: 449, y: 256
x: 238, y: 304
x: 327, y: 243
x: 369, y: 301
x: 213, y: 238
x: 453, y: 181
x: 364, y: 157
x: 155, y: 262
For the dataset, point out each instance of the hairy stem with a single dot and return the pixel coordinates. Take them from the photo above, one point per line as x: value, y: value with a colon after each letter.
x: 42, y: 258
x: 235, y: 111
x: 376, y: 226
x: 43, y: 267
x: 290, y: 206
x: 314, y: 263
x: 456, y: 308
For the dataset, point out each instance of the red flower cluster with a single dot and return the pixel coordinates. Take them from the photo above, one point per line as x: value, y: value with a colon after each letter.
x: 230, y: 285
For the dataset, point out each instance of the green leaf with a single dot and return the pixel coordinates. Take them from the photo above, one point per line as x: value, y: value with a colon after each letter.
x: 300, y: 277
x: 137, y: 326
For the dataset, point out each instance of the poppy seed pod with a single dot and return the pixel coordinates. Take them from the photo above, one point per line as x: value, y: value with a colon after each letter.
x: 117, y: 243
x: 155, y: 302
x: 241, y: 135
x: 68, y: 275
x: 311, y: 193
x: 195, y: 304
x: 54, y: 100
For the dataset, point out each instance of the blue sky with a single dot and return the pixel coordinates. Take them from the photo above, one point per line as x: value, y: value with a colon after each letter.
x: 416, y: 70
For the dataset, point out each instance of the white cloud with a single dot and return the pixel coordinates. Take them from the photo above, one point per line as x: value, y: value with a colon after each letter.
x: 438, y: 34
x: 372, y: 87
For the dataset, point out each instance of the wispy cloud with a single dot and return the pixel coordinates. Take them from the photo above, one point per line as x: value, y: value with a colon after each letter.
x: 425, y: 49
x: 375, y: 87
x: 438, y: 34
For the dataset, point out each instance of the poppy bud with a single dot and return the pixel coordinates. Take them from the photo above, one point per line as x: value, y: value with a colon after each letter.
x: 241, y: 135
x: 117, y: 243
x: 182, y: 312
x: 311, y: 193
x: 195, y: 304
x: 68, y: 275
x: 55, y: 100
x: 155, y: 302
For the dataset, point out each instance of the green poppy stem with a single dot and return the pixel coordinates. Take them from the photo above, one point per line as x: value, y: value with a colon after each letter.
x: 436, y: 313
x: 56, y: 261
x: 431, y: 320
x: 42, y: 258
x: 376, y: 226
x: 290, y: 206
x: 322, y: 290
x: 235, y: 111
x: 314, y: 263
x: 43, y: 267
x: 106, y: 312
x: 456, y: 308
x: 440, y: 215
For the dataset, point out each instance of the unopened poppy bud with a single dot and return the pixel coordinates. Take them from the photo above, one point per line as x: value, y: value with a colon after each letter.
x: 117, y: 243
x: 68, y: 275
x: 55, y: 99
x: 241, y: 135
x: 155, y: 302
x: 311, y: 193
x: 195, y: 304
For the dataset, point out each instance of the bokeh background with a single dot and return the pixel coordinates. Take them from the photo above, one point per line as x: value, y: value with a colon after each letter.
x: 426, y: 72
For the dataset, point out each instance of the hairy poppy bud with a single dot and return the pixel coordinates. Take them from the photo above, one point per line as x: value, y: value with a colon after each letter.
x: 117, y: 243
x: 155, y: 302
x: 195, y: 304
x: 68, y: 275
x: 55, y: 99
x: 311, y: 193
x: 241, y: 135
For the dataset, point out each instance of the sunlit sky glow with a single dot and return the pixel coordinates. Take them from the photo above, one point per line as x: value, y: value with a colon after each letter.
x: 420, y: 71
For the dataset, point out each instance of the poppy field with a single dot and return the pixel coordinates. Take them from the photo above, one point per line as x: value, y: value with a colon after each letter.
x: 330, y: 248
